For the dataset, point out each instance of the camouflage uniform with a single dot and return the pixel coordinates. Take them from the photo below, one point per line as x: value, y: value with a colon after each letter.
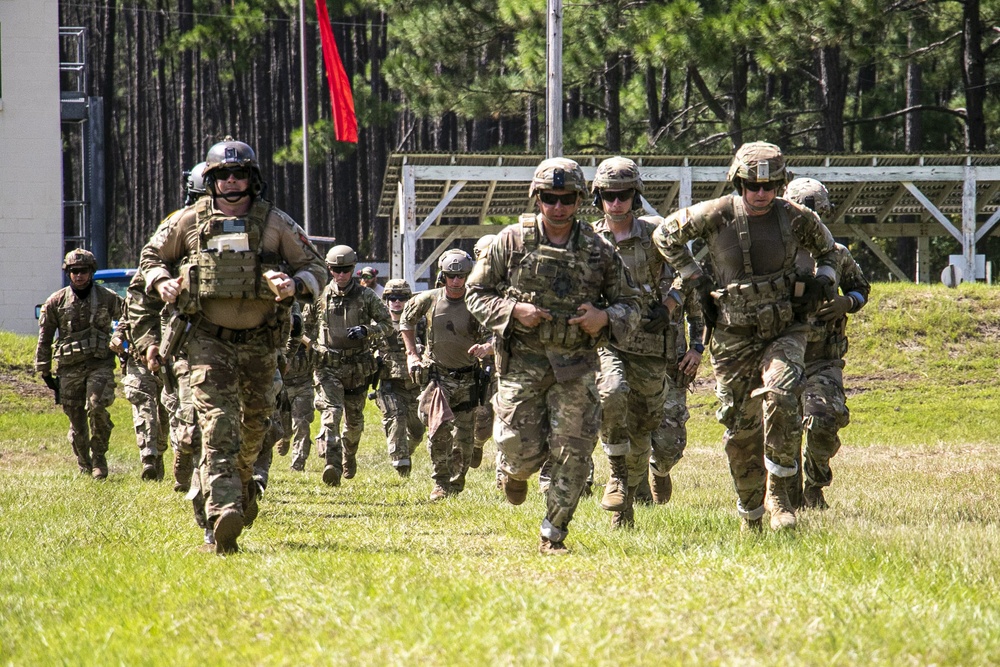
x: 824, y: 403
x: 141, y: 387
x: 301, y: 409
x: 759, y: 343
x: 343, y: 367
x: 397, y: 399
x: 86, y: 368
x: 547, y: 402
x: 451, y: 331
x: 237, y: 329
x: 633, y: 378
x: 669, y: 440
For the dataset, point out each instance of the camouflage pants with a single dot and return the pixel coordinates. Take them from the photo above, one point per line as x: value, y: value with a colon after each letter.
x: 87, y: 391
x: 484, y: 416
x: 759, y: 383
x: 402, y: 424
x: 274, y: 433
x: 824, y: 413
x: 450, y: 447
x: 300, y: 416
x: 340, y: 394
x: 185, y: 434
x: 149, y: 417
x: 633, y: 390
x: 233, y: 394
x: 669, y: 440
x: 538, y: 418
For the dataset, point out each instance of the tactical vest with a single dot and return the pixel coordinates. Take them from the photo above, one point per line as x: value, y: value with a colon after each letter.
x: 765, y: 302
x: 393, y: 355
x: 558, y: 280
x: 636, y: 259
x: 74, y: 347
x: 435, y: 319
x: 340, y: 313
x: 228, y: 274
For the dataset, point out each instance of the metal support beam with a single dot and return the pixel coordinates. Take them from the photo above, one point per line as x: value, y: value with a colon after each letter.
x: 408, y: 223
x: 934, y: 211
x: 431, y: 258
x: 898, y: 272
x: 436, y: 213
x: 969, y: 224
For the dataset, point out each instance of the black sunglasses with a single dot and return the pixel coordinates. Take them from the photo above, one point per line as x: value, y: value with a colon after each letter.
x: 620, y: 195
x: 395, y: 298
x: 76, y: 271
x: 567, y: 199
x: 341, y: 269
x: 766, y: 186
x: 239, y: 173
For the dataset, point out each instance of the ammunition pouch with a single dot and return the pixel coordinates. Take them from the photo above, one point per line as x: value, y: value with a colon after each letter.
x: 232, y: 274
x: 335, y: 358
x: 82, y: 345
x: 764, y: 306
x: 643, y: 343
x: 558, y: 332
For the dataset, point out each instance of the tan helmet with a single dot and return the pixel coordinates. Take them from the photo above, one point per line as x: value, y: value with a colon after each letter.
x: 230, y: 153
x: 455, y: 262
x: 810, y: 193
x: 617, y: 173
x: 757, y: 162
x: 558, y: 173
x: 397, y: 287
x: 79, y: 257
x: 341, y: 255
x: 482, y: 245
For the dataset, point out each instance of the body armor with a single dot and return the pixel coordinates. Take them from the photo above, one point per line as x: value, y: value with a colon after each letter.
x: 90, y: 342
x: 229, y: 263
x: 558, y: 280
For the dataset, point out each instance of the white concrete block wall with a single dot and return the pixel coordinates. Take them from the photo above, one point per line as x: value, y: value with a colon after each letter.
x: 30, y: 161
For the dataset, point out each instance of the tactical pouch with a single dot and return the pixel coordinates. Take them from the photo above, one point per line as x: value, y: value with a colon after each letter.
x: 836, y: 346
x: 228, y: 274
x: 187, y: 300
x: 772, y: 319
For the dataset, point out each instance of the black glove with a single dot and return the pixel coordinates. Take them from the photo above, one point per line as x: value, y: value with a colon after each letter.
x: 50, y: 382
x: 659, y: 319
x: 709, y: 308
x: 810, y: 291
x: 296, y: 325
x: 358, y: 332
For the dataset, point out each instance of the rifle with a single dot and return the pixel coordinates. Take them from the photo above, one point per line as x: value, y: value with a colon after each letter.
x: 484, y: 375
x: 175, y: 335
x: 53, y: 384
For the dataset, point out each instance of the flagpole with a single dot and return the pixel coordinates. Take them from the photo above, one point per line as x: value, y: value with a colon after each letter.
x: 305, y: 120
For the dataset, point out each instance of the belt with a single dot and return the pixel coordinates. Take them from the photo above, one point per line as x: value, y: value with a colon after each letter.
x: 236, y: 336
x: 459, y: 371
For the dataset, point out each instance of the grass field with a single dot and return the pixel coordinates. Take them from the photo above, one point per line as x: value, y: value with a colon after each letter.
x: 902, y: 570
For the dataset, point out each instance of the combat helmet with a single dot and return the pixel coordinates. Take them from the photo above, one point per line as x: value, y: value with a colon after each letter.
x: 455, y: 262
x: 810, y: 193
x: 79, y: 257
x: 397, y: 287
x: 341, y: 255
x: 483, y: 244
x: 194, y: 183
x: 232, y: 154
x: 558, y: 173
x: 757, y: 162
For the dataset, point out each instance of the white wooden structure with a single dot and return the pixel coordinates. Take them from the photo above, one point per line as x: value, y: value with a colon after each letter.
x: 944, y: 195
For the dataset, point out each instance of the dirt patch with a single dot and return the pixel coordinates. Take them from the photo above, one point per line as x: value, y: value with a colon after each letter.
x: 20, y: 382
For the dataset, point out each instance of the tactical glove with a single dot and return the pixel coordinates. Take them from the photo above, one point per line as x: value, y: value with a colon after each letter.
x: 659, y: 319
x: 810, y: 291
x: 50, y: 382
x: 418, y: 374
x: 357, y: 333
x: 296, y: 325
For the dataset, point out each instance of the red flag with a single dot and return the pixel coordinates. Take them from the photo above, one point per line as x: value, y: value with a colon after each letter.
x: 345, y: 123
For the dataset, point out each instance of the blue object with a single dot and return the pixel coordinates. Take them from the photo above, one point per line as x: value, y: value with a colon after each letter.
x: 115, y: 279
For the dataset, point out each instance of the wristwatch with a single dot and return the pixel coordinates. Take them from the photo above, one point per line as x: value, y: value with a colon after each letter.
x: 698, y: 347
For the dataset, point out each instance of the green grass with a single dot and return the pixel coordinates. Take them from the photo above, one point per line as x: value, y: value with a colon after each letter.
x: 901, y: 570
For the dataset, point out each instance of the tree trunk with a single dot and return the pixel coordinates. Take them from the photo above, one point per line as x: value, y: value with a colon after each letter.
x: 973, y: 76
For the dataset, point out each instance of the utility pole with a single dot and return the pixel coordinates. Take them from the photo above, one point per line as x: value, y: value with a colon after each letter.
x: 305, y: 119
x: 553, y: 84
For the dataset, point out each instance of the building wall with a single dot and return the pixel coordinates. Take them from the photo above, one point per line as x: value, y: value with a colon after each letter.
x: 30, y: 160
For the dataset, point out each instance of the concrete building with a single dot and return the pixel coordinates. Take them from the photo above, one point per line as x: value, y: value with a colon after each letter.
x: 31, y: 191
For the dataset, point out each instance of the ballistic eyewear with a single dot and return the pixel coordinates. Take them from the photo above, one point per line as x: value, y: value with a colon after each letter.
x: 766, y: 186
x: 620, y: 195
x: 566, y: 200
x: 239, y: 173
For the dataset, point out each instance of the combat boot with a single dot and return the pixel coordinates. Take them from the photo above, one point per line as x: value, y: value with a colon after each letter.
x: 183, y: 469
x: 751, y: 526
x: 148, y: 468
x: 100, y: 469
x: 516, y: 490
x: 439, y: 493
x: 550, y: 548
x: 331, y: 475
x: 643, y: 494
x: 812, y: 497
x: 283, y: 447
x: 159, y: 467
x: 227, y: 528
x: 403, y: 471
x: 626, y: 517
x: 350, y: 465
x: 85, y: 463
x: 782, y: 513
x: 615, y: 492
x: 477, y: 456
x: 663, y: 488
x: 457, y: 484
x: 250, y: 507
